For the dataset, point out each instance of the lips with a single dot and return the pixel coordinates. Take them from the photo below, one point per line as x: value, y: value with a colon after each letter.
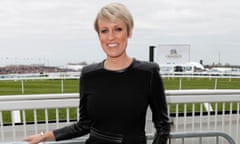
x: 112, y: 45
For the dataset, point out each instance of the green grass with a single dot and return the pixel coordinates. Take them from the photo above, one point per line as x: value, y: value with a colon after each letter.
x: 38, y: 87
x: 11, y: 87
x: 201, y: 83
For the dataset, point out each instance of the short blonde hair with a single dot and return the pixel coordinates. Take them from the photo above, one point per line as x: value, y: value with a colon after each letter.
x: 112, y: 12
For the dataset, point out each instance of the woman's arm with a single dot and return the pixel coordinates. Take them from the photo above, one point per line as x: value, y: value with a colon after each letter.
x: 78, y: 129
x: 82, y: 127
x: 159, y: 108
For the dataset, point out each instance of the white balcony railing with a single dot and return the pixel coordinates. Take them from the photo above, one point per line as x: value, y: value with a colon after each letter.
x: 190, y: 110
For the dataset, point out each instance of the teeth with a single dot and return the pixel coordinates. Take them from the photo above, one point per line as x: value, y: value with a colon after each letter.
x: 112, y: 45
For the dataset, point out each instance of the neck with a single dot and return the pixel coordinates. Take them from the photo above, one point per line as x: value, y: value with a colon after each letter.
x: 117, y: 63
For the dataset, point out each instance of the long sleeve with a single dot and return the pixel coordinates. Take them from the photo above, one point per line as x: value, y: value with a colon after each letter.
x: 80, y: 128
x: 159, y: 109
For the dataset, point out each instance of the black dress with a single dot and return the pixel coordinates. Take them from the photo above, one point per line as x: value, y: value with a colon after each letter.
x: 113, y: 105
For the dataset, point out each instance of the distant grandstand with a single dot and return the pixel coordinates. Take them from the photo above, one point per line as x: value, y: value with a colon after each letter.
x: 21, y: 69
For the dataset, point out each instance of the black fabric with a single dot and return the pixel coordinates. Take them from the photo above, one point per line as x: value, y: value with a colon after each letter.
x: 116, y: 102
x: 104, y: 136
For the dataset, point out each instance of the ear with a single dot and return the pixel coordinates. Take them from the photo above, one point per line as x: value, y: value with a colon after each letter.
x: 130, y: 33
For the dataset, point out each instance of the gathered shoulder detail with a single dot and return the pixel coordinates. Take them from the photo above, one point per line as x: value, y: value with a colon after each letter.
x: 145, y: 65
x: 92, y: 68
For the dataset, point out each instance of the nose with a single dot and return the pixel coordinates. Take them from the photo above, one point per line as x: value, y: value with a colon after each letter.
x: 111, y: 35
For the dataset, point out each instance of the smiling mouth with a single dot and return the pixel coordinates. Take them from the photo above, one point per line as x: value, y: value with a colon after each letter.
x: 112, y: 45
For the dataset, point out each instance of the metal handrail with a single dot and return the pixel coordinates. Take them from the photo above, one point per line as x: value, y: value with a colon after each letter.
x: 201, y: 134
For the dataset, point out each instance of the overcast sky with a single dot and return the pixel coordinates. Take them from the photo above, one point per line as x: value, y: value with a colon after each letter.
x: 56, y: 32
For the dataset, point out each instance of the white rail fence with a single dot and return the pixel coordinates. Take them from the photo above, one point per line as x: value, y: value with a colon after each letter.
x: 205, y: 110
x: 190, y: 110
x: 76, y: 75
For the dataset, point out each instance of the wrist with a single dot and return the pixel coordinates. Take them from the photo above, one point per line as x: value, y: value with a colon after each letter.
x: 43, y: 136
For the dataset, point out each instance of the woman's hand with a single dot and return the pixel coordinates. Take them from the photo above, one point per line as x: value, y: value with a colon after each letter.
x: 37, y: 138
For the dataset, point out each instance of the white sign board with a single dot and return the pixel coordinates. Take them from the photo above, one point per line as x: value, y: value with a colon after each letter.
x: 172, y: 54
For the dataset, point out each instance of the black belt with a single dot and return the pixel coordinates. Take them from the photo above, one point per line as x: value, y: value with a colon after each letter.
x: 116, y: 138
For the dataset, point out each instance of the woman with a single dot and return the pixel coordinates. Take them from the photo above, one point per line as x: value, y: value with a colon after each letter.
x: 115, y: 93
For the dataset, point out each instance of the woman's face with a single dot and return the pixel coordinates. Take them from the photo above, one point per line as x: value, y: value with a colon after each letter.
x: 113, y: 37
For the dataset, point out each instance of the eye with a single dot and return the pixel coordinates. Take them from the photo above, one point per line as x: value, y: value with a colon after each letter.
x: 119, y: 29
x: 103, y: 31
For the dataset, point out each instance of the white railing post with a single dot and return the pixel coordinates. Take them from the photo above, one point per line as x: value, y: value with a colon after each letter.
x: 16, y: 116
x: 62, y: 86
x: 180, y: 83
x: 215, y: 84
x: 22, y: 82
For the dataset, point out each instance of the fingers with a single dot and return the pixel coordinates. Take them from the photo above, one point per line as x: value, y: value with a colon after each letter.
x: 33, y: 139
